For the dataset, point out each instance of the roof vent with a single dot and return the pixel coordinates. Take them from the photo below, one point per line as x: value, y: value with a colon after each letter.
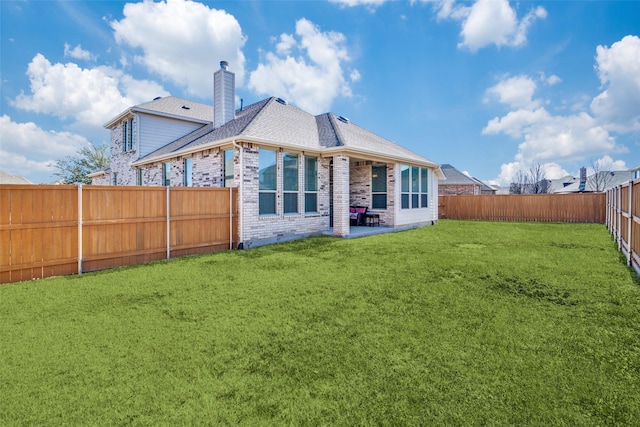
x: 184, y: 107
x: 282, y: 101
x: 343, y: 119
x: 157, y: 97
x: 224, y: 65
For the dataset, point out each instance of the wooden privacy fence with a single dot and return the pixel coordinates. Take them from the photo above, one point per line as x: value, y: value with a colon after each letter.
x: 583, y: 207
x: 623, y: 220
x: 59, y: 230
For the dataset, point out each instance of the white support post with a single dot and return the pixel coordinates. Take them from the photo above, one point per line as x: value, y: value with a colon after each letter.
x: 230, y: 218
x: 79, y: 229
x: 168, y: 222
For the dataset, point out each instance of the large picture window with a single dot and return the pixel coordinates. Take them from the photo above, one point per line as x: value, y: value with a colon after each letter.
x: 311, y: 184
x: 379, y: 187
x: 290, y: 187
x: 267, y: 176
x: 414, y: 187
x: 228, y: 168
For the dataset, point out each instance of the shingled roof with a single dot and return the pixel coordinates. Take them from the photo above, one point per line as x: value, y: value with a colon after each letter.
x: 274, y: 122
x: 169, y: 106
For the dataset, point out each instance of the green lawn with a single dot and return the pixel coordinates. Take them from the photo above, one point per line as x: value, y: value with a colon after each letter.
x: 462, y: 323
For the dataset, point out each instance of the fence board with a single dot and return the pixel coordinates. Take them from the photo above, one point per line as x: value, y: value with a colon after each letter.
x: 623, y: 220
x: 39, y: 227
x: 587, y: 207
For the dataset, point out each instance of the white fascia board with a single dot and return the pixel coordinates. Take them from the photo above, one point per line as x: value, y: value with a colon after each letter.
x: 122, y: 115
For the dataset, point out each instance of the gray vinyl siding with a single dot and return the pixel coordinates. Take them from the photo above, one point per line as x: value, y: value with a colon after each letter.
x: 156, y: 132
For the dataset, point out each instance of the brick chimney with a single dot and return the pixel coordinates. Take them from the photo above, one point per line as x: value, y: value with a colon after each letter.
x: 224, y: 95
x: 583, y: 178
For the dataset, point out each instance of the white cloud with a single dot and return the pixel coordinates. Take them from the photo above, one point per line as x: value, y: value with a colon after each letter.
x: 509, y: 172
x: 516, y: 92
x: 618, y: 67
x: 488, y: 22
x: 87, y: 96
x: 606, y: 163
x: 183, y: 41
x: 548, y: 137
x: 78, y: 53
x: 371, y: 4
x: 30, y: 151
x: 495, y: 22
x: 312, y: 76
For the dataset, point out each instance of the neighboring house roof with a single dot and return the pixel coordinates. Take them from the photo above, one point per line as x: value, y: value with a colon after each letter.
x: 169, y: 106
x: 601, y: 181
x: 273, y: 122
x: 100, y: 172
x: 455, y: 177
x: 558, y: 185
x: 483, y: 186
x: 5, y: 178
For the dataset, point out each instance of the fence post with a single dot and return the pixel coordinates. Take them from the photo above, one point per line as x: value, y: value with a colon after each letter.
x: 79, y: 229
x: 230, y: 218
x: 168, y: 222
x: 629, y: 223
x: 619, y: 216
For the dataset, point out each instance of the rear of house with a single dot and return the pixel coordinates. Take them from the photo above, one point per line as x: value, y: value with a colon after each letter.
x: 297, y: 174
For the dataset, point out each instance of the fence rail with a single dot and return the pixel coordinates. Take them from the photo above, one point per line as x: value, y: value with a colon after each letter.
x: 58, y: 230
x: 623, y: 220
x: 583, y: 207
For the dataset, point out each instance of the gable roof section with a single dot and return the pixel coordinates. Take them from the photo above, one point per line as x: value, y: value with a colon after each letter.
x: 169, y: 106
x: 270, y: 122
x: 455, y: 177
x: 606, y: 179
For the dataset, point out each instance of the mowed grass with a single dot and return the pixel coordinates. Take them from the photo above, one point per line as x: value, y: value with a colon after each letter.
x: 462, y: 323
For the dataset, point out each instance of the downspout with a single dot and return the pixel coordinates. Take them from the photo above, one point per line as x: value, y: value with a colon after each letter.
x: 240, y: 193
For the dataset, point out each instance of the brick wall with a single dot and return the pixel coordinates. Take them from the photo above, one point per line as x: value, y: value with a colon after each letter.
x: 360, y: 190
x: 264, y: 229
x: 451, y: 189
x: 120, y: 162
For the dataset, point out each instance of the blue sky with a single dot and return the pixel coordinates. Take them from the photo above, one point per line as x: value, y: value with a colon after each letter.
x: 489, y: 86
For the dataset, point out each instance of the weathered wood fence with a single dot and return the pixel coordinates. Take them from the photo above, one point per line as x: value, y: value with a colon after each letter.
x: 48, y: 230
x: 583, y: 207
x: 623, y: 220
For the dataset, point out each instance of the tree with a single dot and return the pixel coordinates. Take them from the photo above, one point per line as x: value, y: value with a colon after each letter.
x: 538, y: 179
x: 533, y: 181
x: 601, y: 179
x: 518, y: 186
x: 74, y: 169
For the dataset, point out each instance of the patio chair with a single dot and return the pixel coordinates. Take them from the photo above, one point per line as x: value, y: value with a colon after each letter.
x: 357, y: 215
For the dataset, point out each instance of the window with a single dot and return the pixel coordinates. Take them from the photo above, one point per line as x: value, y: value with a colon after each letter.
x: 140, y: 176
x: 405, y: 173
x: 188, y: 172
x: 267, y: 181
x: 311, y: 184
x: 115, y: 178
x: 127, y: 135
x: 166, y: 175
x: 379, y: 187
x: 290, y: 193
x: 228, y: 168
x: 424, y: 192
x: 414, y: 187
